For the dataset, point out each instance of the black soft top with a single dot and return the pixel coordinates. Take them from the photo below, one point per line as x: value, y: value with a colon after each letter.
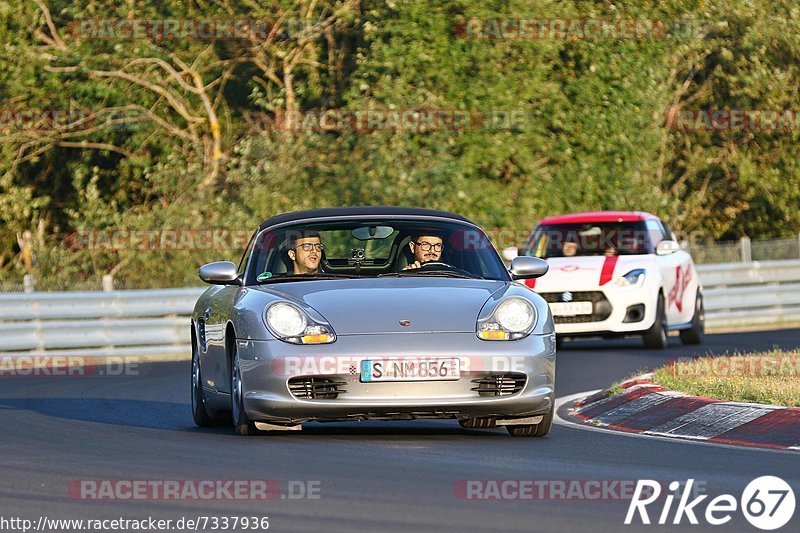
x: 378, y: 211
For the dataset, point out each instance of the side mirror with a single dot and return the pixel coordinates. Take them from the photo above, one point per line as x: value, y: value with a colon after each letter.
x: 219, y: 273
x: 667, y: 247
x: 524, y: 267
x: 510, y: 253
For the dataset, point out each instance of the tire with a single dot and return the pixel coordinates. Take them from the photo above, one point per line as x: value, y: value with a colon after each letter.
x: 533, y: 430
x: 694, y: 335
x: 199, y: 413
x: 242, y: 424
x: 559, y: 343
x: 656, y: 336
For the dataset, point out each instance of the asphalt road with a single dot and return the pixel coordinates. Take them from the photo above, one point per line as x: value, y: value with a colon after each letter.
x: 374, y: 476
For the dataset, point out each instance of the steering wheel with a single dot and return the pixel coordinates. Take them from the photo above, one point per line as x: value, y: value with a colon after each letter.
x: 441, y: 265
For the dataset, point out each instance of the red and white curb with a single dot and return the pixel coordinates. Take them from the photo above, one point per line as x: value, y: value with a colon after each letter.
x: 649, y: 409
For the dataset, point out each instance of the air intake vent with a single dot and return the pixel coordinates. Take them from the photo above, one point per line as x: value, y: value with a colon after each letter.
x: 315, y: 388
x: 500, y: 384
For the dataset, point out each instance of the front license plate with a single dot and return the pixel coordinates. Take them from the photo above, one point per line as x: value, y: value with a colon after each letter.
x: 571, y: 308
x: 410, y: 369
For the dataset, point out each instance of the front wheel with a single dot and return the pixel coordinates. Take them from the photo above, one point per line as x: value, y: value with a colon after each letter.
x: 533, y: 430
x: 201, y: 417
x: 656, y: 336
x: 694, y: 335
x: 242, y: 424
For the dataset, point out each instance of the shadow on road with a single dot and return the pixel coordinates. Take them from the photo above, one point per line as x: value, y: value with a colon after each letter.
x: 133, y: 413
x: 177, y: 417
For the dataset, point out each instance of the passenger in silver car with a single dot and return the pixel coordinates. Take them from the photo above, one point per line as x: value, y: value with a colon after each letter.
x: 306, y: 253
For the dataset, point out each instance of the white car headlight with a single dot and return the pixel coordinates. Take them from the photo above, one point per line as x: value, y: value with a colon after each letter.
x: 634, y: 278
x: 512, y: 319
x: 291, y: 324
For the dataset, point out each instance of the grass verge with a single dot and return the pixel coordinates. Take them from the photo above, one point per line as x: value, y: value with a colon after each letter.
x: 768, y: 378
x: 616, y: 387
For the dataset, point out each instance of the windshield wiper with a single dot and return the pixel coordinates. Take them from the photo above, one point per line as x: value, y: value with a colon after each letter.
x: 417, y: 273
x: 302, y: 277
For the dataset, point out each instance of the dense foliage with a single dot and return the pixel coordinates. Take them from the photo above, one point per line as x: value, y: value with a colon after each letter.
x: 185, y: 132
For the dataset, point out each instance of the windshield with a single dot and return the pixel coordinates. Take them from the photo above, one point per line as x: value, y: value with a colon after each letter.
x: 373, y: 248
x: 608, y: 238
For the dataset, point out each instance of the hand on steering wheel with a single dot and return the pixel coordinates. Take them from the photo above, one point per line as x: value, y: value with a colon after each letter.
x: 427, y: 264
x: 417, y: 264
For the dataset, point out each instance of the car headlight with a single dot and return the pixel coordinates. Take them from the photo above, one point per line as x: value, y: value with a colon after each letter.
x: 291, y: 324
x: 512, y: 319
x: 634, y: 278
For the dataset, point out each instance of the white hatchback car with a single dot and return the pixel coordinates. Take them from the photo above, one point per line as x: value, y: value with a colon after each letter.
x: 616, y: 273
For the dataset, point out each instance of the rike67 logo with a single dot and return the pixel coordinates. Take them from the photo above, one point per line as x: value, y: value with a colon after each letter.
x: 767, y: 503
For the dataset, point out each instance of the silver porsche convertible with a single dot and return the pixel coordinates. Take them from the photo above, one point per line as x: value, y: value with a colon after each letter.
x: 372, y: 313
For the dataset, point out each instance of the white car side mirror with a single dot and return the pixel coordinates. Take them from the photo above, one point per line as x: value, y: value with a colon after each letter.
x: 510, y: 253
x: 667, y: 247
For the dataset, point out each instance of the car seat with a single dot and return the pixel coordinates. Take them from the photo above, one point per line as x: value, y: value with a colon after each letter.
x: 404, y: 257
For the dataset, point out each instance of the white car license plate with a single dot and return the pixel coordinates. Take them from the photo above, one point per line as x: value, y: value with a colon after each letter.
x: 571, y: 308
x: 410, y: 369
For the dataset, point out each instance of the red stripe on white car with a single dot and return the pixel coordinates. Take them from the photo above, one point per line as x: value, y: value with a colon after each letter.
x: 608, y: 269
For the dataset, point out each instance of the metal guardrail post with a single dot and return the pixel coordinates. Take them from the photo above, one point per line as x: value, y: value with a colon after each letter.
x: 28, y: 284
x: 108, y: 283
x: 747, y: 254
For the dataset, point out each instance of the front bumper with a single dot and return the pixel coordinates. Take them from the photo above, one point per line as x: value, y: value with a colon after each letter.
x: 620, y: 300
x: 267, y: 367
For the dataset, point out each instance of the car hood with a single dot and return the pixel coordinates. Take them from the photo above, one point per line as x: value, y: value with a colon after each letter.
x: 367, y: 306
x: 588, y: 272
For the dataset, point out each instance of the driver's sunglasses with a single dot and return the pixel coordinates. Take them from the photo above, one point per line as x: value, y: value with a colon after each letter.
x: 307, y: 247
x: 427, y: 247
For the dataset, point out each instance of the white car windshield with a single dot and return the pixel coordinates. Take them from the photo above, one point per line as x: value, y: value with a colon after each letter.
x: 589, y: 239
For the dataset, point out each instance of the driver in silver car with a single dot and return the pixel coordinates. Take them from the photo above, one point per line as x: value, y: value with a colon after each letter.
x: 424, y: 248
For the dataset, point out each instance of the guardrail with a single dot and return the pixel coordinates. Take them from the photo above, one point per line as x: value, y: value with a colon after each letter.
x: 97, y: 323
x: 751, y: 293
x: 145, y: 322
